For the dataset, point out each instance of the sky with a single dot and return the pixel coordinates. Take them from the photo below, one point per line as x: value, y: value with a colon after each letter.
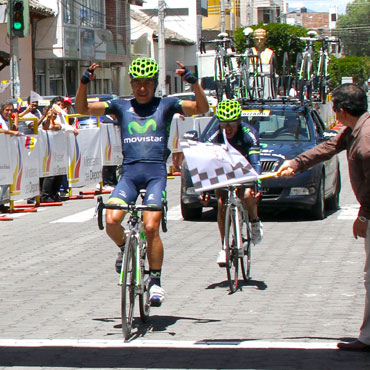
x: 320, y: 5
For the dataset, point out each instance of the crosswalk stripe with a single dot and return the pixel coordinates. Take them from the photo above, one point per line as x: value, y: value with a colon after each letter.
x: 348, y: 212
x: 77, y: 217
x: 173, y: 214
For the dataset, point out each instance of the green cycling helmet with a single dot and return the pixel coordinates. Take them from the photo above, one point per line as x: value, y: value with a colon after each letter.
x: 143, y: 68
x: 228, y: 110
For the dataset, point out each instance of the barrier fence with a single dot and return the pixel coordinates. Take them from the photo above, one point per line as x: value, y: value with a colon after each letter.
x: 25, y: 159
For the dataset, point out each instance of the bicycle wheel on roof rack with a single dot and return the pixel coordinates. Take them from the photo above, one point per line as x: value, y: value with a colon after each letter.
x: 259, y: 76
x: 244, y: 87
x: 299, y: 76
x: 254, y: 77
x: 273, y: 78
x: 323, y: 79
x: 285, y: 79
x: 309, y: 76
x: 219, y: 79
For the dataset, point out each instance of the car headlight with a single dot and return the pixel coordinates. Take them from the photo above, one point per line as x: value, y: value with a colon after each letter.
x: 191, y: 191
x: 302, y: 191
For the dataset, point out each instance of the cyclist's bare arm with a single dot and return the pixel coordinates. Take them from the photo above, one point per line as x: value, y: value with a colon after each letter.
x: 81, y: 104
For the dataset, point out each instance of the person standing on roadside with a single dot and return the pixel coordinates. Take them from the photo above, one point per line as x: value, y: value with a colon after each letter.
x: 350, y: 105
x: 6, y: 110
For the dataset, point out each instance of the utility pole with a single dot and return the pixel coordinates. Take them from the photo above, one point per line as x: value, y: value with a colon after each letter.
x: 14, y: 68
x: 223, y: 26
x: 161, y: 49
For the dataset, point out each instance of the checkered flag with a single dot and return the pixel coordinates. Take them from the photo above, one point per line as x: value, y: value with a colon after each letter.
x: 214, y: 166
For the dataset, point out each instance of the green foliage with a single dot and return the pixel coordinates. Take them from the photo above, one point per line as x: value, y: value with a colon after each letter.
x: 354, y: 28
x: 356, y: 67
x: 279, y: 39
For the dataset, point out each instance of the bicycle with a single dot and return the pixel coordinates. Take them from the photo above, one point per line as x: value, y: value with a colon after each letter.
x: 225, y: 75
x: 322, y: 67
x: 237, y: 239
x: 305, y: 69
x: 134, y: 264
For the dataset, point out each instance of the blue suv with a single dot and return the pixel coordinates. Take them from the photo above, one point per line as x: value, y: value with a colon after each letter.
x: 286, y: 128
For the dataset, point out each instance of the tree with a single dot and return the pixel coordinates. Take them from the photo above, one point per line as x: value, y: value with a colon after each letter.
x: 354, y: 28
x: 356, y: 67
x: 279, y: 39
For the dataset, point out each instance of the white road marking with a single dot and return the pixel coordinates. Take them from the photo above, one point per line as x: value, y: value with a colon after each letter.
x: 142, y: 343
x: 348, y: 212
x: 77, y: 217
x: 174, y: 213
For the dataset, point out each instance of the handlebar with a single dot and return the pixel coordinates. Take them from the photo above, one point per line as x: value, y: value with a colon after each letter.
x: 223, y: 41
x: 124, y: 207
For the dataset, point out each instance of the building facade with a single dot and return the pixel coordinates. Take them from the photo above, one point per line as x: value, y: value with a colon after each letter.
x: 66, y: 38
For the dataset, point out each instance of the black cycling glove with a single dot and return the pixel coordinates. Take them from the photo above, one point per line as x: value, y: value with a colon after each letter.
x: 189, y: 77
x: 85, y: 79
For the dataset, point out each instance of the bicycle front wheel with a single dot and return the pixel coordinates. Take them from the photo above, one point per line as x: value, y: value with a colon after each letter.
x: 232, y: 264
x: 245, y: 259
x: 144, y: 303
x: 128, y: 285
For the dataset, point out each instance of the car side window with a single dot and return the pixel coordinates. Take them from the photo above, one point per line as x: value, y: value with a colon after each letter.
x: 319, y: 124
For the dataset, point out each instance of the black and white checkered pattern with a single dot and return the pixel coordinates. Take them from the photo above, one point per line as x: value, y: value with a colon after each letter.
x: 219, y: 171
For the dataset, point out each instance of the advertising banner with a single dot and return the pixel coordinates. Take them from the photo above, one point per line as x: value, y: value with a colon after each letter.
x: 25, y: 167
x: 53, y: 155
x: 85, y: 162
x: 111, y: 144
x: 6, y: 177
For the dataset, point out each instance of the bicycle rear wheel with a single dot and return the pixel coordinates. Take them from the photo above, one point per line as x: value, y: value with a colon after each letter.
x: 285, y: 79
x: 323, y: 79
x: 299, y: 76
x: 219, y: 79
x: 245, y: 259
x: 232, y: 263
x: 273, y: 79
x: 144, y: 303
x: 128, y: 285
x: 244, y: 79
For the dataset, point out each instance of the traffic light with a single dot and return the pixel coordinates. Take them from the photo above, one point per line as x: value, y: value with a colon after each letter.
x: 18, y: 18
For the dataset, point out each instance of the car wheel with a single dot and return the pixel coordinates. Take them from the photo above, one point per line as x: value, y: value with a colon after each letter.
x: 318, y: 210
x: 332, y: 203
x: 190, y: 213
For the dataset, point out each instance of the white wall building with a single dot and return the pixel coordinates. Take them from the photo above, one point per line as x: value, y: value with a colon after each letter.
x: 261, y: 11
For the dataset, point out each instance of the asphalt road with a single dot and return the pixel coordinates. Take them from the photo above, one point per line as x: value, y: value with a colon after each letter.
x: 60, y: 303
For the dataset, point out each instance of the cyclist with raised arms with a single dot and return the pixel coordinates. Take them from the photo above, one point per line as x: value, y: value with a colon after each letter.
x: 245, y: 139
x: 145, y: 124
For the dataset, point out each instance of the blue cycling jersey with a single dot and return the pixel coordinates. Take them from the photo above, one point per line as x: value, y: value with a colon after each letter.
x: 144, y: 127
x: 246, y: 141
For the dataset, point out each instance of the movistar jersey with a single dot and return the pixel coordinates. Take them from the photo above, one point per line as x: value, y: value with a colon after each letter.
x: 144, y: 127
x: 246, y: 141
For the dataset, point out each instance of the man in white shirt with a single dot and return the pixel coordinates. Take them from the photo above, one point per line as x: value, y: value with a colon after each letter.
x: 6, y: 110
x: 27, y: 127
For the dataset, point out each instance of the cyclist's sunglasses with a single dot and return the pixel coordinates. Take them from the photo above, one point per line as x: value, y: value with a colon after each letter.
x: 147, y: 82
x: 229, y: 123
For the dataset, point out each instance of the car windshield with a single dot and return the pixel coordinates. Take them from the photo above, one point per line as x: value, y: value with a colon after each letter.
x: 278, y: 125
